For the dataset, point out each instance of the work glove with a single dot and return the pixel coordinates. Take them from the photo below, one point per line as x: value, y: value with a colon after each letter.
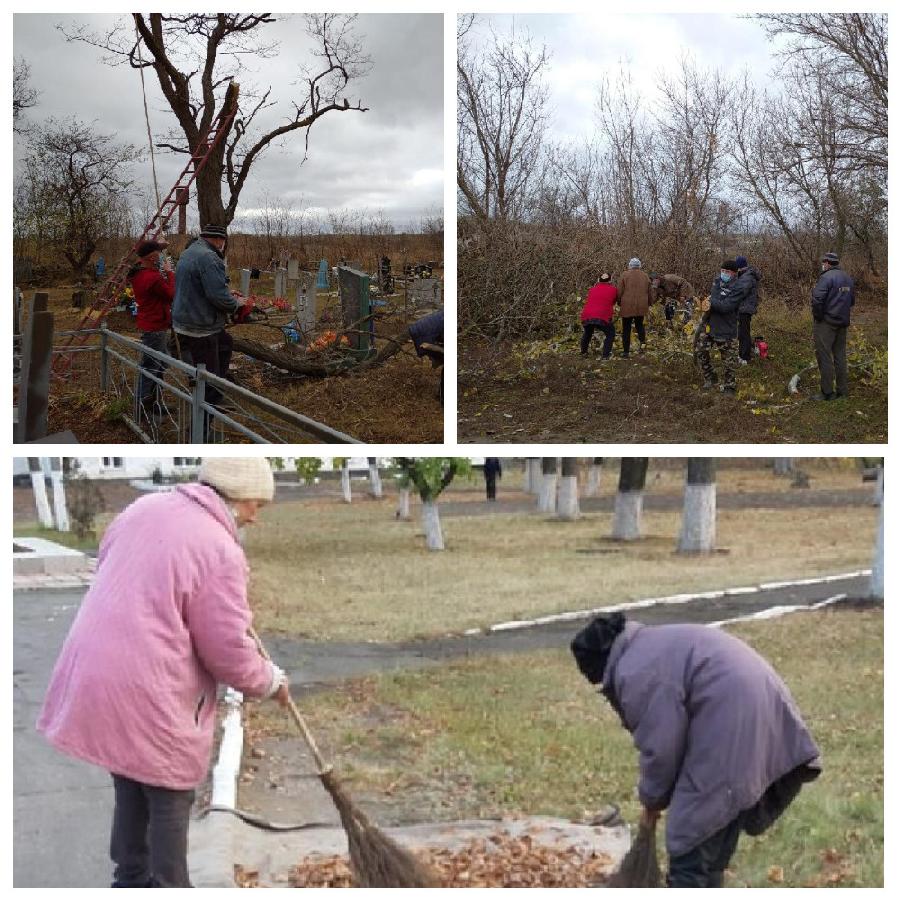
x: 242, y: 314
x: 279, y: 686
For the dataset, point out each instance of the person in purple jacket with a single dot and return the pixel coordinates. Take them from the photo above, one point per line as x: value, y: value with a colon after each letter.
x: 165, y: 621
x: 723, y: 748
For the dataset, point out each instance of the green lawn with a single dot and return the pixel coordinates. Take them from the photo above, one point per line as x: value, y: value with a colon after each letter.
x: 526, y: 734
x: 327, y: 570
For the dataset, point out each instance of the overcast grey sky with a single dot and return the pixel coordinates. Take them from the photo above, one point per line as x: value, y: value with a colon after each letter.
x: 389, y: 158
x: 585, y: 48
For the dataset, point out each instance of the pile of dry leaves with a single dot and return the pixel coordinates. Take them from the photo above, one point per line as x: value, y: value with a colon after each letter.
x: 501, y: 860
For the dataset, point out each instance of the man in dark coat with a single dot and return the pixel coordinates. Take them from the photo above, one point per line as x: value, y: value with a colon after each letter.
x: 832, y: 298
x: 675, y: 292
x: 492, y: 471
x: 722, y: 745
x: 720, y: 330
x: 751, y: 276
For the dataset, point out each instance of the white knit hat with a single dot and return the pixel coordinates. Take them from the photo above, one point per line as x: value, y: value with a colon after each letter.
x: 634, y: 263
x: 247, y: 478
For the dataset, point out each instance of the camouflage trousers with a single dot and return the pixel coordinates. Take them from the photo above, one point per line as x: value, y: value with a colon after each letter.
x: 728, y: 351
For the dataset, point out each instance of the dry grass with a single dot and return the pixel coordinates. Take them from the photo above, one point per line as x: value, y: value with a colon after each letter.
x: 329, y: 571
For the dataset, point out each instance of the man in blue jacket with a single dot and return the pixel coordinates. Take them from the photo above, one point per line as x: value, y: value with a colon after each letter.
x: 202, y: 305
x: 832, y: 298
x: 720, y: 327
x: 749, y: 305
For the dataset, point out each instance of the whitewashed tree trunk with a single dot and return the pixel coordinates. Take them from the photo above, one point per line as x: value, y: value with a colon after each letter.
x: 374, y: 479
x: 533, y: 477
x: 878, y: 495
x: 45, y: 516
x: 59, y: 495
x: 403, y: 504
x: 630, y: 499
x: 876, y: 587
x: 431, y: 523
x: 593, y: 477
x: 567, y: 504
x: 346, y: 492
x: 698, y: 518
x: 783, y: 465
x: 547, y: 495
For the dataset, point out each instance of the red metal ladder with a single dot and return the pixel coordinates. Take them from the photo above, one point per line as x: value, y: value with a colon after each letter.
x: 108, y: 294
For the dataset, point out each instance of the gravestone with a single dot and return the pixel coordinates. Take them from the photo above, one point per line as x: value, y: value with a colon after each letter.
x: 280, y: 282
x: 293, y: 269
x: 34, y: 385
x: 245, y: 282
x: 354, y: 292
x: 306, y: 302
x: 425, y: 291
x: 322, y: 280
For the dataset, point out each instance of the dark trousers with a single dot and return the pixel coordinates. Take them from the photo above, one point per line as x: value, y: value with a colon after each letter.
x: 213, y: 351
x: 155, y: 340
x: 490, y: 484
x: 626, y: 331
x: 831, y: 355
x: 149, y: 835
x: 745, y: 341
x: 705, y: 865
x: 608, y: 329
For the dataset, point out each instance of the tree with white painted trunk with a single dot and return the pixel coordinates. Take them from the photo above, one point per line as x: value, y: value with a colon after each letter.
x: 60, y: 511
x: 39, y: 487
x: 533, y: 475
x: 403, y: 491
x: 698, y: 517
x: 430, y: 476
x: 876, y: 587
x: 567, y: 505
x: 593, y: 477
x: 343, y: 463
x: 375, y: 489
x: 783, y: 465
x: 630, y: 498
x: 547, y: 494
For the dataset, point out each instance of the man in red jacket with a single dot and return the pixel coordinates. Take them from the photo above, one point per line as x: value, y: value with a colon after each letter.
x: 598, y: 313
x: 153, y: 292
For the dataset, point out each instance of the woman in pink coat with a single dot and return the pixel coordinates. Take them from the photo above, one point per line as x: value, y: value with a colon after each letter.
x: 165, y: 622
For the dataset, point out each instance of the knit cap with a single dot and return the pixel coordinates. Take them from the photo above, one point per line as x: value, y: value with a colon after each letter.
x: 634, y: 263
x: 245, y: 478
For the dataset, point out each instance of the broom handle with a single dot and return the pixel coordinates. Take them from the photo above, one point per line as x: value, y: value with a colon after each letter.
x: 295, y: 713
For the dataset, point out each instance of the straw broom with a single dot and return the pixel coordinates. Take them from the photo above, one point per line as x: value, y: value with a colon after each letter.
x: 377, y: 860
x: 640, y: 867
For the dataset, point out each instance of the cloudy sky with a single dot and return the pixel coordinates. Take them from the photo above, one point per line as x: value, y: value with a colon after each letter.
x: 585, y: 48
x: 389, y: 158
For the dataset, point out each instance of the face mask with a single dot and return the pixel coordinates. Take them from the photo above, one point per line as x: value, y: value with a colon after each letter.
x: 725, y: 276
x: 824, y: 267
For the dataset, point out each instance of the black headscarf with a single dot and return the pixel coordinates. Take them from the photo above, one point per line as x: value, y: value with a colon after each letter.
x: 591, y: 646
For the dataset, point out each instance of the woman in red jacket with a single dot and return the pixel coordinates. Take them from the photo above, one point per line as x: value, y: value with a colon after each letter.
x: 598, y: 314
x: 153, y: 293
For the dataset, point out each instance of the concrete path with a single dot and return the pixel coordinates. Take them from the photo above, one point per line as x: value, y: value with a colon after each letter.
x: 62, y: 808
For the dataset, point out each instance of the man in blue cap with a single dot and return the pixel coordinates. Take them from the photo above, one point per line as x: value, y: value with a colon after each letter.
x: 832, y: 298
x: 749, y: 277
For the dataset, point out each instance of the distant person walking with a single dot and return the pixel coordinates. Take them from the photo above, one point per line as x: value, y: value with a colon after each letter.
x: 675, y: 293
x: 634, y: 303
x: 723, y: 748
x: 720, y: 331
x: 134, y: 690
x: 597, y: 314
x: 99, y: 268
x: 751, y: 277
x: 832, y: 298
x: 492, y: 471
x: 154, y: 290
x: 202, y: 305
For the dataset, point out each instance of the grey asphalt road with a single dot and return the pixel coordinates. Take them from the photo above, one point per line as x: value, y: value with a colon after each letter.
x: 62, y: 808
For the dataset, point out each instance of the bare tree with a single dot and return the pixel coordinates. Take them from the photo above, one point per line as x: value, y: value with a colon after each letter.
x: 171, y: 44
x: 698, y: 517
x: 24, y: 95
x: 501, y: 117
x: 630, y: 498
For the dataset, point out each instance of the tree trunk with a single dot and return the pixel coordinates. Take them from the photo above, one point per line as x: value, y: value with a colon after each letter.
x: 533, y: 475
x: 547, y: 495
x: 568, y: 509
x: 878, y: 496
x: 698, y: 518
x: 403, y: 504
x: 345, y: 483
x: 374, y: 478
x: 876, y: 587
x: 45, y: 516
x: 431, y: 522
x: 630, y: 499
x: 593, y: 479
x: 59, y: 495
x: 783, y: 465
